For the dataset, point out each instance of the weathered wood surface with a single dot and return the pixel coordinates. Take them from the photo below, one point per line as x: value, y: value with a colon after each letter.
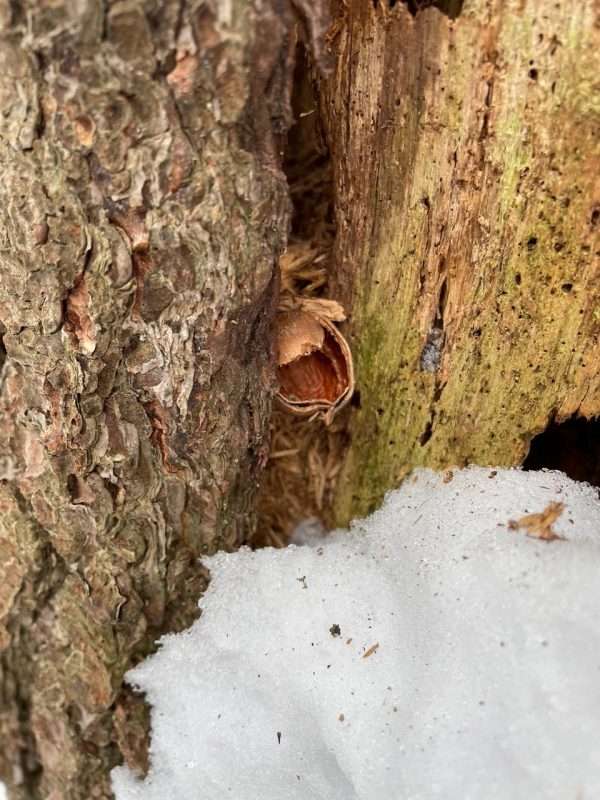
x: 143, y: 213
x: 467, y: 163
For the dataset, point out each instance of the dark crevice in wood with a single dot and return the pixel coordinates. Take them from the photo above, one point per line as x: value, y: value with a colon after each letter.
x: 426, y: 435
x: 452, y: 8
x: 2, y: 347
x: 573, y: 447
x: 306, y: 160
x: 300, y: 483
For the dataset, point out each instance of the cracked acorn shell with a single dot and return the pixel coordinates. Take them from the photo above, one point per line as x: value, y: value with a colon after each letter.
x: 315, y: 370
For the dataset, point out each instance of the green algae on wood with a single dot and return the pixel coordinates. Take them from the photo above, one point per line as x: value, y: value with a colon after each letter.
x: 466, y: 157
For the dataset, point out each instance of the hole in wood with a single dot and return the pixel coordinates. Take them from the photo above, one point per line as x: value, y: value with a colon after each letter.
x: 573, y: 447
x: 451, y: 8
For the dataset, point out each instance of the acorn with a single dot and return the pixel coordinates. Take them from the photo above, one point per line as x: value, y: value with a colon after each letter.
x: 315, y: 370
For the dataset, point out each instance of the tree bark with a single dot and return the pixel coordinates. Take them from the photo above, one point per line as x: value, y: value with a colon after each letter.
x: 464, y: 142
x: 144, y: 212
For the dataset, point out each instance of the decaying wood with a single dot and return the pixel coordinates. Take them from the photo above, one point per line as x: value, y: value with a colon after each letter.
x: 466, y: 157
x: 143, y: 215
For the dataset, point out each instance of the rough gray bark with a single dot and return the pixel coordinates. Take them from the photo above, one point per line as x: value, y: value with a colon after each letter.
x: 143, y: 215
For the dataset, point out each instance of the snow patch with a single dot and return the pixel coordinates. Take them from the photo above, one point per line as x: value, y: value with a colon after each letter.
x: 432, y: 651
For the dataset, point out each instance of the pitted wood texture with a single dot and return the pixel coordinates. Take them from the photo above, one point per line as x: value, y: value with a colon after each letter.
x: 466, y: 157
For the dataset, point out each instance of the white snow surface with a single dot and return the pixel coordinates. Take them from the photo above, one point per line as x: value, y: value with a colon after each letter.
x: 485, y: 682
x: 2, y: 791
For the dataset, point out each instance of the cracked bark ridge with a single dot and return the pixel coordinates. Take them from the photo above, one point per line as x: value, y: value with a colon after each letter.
x: 464, y: 139
x: 144, y: 213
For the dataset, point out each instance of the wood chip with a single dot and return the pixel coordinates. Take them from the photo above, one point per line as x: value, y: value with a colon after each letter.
x: 371, y: 650
x: 539, y: 526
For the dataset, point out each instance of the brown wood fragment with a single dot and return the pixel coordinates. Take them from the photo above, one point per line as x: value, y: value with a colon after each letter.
x: 539, y: 526
x: 371, y: 650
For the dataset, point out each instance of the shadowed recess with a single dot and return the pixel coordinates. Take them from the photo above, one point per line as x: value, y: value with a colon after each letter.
x: 573, y: 447
x: 306, y: 455
x: 451, y: 8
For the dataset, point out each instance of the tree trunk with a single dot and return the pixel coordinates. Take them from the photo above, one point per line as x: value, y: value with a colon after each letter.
x: 144, y: 212
x: 464, y: 142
